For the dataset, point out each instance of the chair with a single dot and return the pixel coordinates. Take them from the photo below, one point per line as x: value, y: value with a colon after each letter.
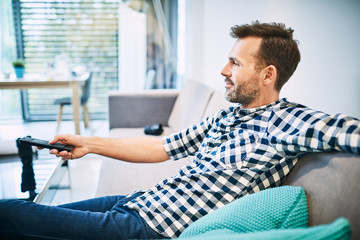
x: 83, y: 100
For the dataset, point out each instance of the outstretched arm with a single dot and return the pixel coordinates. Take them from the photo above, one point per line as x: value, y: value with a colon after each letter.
x: 308, y: 130
x: 138, y: 149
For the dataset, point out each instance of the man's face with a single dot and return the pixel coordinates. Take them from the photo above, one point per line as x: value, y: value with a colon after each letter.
x: 242, y: 80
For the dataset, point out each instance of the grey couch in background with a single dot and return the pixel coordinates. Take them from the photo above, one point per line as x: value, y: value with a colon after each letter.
x: 331, y: 180
x: 130, y: 112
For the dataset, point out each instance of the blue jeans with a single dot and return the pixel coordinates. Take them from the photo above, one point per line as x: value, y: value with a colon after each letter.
x: 98, y: 218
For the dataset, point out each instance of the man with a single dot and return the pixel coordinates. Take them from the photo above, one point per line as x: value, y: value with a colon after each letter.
x: 238, y: 151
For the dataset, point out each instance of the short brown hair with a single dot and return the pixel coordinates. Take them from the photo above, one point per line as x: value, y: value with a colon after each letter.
x: 277, y: 48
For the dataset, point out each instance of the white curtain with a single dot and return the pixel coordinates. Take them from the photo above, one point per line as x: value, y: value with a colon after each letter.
x: 132, y: 49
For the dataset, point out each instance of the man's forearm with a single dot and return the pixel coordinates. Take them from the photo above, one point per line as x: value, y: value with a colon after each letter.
x: 137, y: 149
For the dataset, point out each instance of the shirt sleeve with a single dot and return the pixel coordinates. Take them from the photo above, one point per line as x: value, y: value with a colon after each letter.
x: 187, y: 141
x: 306, y: 130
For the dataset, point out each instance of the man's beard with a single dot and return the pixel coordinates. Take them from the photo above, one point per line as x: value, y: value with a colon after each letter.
x: 245, y: 93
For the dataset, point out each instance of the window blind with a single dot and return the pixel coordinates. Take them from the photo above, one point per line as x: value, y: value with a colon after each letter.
x: 83, y: 30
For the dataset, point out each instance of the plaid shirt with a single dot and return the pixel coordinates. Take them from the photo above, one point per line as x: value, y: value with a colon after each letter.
x: 237, y: 152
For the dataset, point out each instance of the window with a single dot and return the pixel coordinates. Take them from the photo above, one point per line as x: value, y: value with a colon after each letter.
x: 85, y: 32
x: 82, y: 31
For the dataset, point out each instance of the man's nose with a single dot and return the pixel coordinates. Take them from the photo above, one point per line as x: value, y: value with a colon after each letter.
x: 226, y: 71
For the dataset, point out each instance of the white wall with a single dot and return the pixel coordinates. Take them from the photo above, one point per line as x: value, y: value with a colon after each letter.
x: 328, y: 76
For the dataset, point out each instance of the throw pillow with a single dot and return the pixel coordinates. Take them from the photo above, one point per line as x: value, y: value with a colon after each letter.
x: 275, y: 208
x: 338, y: 230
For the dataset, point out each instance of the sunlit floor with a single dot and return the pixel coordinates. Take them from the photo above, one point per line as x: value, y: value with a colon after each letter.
x: 83, y: 173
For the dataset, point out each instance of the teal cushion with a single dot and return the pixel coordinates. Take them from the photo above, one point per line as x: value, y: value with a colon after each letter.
x: 275, y: 208
x: 338, y: 230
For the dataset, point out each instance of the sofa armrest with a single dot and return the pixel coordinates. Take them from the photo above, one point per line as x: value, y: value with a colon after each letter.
x: 137, y: 109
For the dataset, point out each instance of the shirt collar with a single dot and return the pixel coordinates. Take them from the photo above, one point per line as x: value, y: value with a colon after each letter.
x: 242, y: 112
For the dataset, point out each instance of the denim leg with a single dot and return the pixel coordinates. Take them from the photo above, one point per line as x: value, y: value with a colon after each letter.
x: 31, y: 219
x: 101, y: 204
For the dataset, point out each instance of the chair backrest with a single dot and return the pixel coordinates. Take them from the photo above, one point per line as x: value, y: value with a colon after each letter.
x: 86, y: 90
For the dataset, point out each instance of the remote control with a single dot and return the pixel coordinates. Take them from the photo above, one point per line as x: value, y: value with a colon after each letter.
x: 45, y: 144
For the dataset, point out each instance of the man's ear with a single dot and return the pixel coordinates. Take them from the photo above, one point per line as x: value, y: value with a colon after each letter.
x: 270, y: 75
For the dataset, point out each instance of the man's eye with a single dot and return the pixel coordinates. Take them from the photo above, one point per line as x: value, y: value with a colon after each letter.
x: 235, y: 63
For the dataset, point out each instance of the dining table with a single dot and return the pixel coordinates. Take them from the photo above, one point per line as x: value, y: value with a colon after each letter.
x: 30, y: 81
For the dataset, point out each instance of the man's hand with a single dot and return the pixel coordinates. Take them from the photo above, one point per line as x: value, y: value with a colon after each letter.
x: 79, y: 142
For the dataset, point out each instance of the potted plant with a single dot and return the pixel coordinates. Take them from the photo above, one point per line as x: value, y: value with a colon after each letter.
x: 19, y: 67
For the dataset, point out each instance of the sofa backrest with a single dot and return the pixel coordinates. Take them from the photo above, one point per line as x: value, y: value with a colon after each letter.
x: 331, y: 181
x: 217, y: 102
x: 190, y: 105
x: 122, y: 106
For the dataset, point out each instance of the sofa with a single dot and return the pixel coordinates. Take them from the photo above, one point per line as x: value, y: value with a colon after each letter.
x: 331, y: 180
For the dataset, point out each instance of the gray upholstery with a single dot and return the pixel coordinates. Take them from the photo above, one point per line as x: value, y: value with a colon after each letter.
x: 121, y: 178
x: 130, y: 112
x: 136, y: 109
x: 189, y: 106
x: 331, y: 181
x: 216, y: 103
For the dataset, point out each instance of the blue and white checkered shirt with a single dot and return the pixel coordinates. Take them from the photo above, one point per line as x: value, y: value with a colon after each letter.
x: 237, y: 152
